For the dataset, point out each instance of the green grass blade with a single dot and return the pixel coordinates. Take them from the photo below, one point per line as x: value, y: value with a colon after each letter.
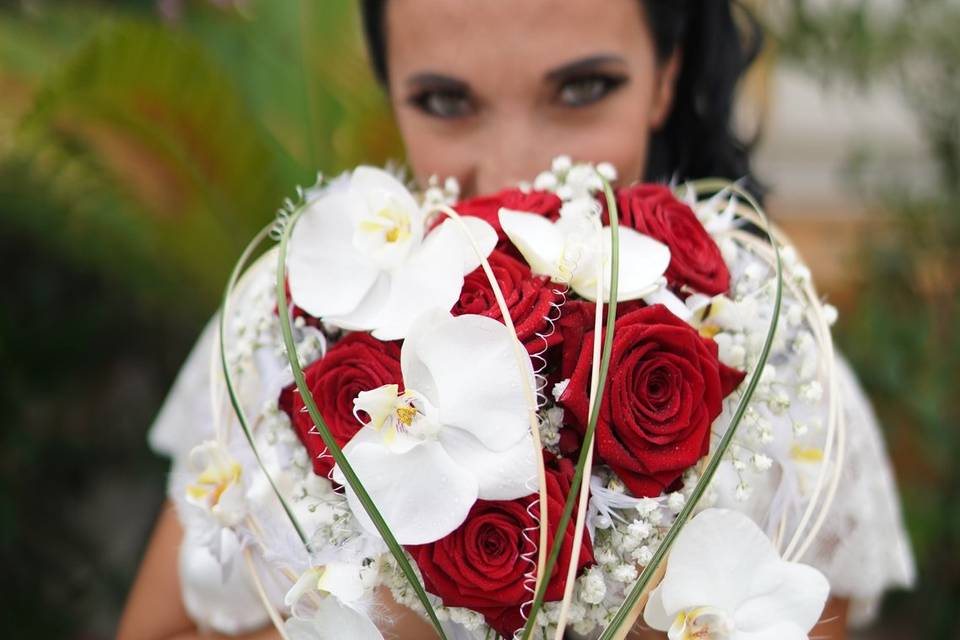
x: 332, y: 447
x: 623, y: 612
x: 594, y: 415
x: 228, y: 377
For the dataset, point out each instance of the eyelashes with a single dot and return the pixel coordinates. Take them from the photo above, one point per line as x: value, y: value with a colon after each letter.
x: 584, y: 90
x: 446, y: 103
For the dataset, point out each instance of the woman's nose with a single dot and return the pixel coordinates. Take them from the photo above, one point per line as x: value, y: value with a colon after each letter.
x: 495, y: 176
x: 514, y: 153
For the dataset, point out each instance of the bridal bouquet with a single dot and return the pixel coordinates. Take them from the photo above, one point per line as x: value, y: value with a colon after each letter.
x: 541, y: 409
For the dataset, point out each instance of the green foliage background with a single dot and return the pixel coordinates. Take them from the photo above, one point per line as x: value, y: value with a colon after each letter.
x: 139, y: 152
x: 902, y: 334
x: 140, y: 149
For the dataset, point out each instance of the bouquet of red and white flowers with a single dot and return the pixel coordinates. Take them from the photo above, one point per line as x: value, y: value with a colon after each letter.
x: 542, y: 408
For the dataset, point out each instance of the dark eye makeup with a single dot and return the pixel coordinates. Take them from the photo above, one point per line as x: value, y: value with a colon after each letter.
x: 577, y: 84
x: 587, y: 89
x: 443, y: 103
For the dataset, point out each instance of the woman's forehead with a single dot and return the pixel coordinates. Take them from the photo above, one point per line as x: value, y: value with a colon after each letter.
x: 516, y: 36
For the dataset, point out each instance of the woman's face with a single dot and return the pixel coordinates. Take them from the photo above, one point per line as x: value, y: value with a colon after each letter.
x: 489, y: 92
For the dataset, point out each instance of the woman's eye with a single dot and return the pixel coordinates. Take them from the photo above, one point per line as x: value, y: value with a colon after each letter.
x: 443, y: 104
x: 580, y: 92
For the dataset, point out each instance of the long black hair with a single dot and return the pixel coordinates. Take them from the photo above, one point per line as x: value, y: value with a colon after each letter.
x: 697, y: 140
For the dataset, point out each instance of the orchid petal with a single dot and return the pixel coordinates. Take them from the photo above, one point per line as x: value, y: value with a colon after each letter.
x: 377, y: 403
x: 226, y: 600
x: 713, y: 560
x: 783, y: 592
x: 654, y: 614
x: 306, y: 583
x: 697, y: 302
x: 778, y: 631
x: 479, y: 387
x: 333, y: 621
x: 342, y: 580
x: 722, y: 562
x: 416, y: 373
x: 537, y: 238
x: 480, y: 232
x: 432, y: 277
x: 670, y: 300
x: 327, y: 275
x: 379, y: 189
x: 643, y: 261
x: 422, y: 493
x: 502, y: 475
x: 368, y: 311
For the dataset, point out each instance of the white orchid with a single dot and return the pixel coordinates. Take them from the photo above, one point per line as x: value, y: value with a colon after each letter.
x: 339, y: 579
x: 725, y: 581
x: 459, y: 431
x: 337, y: 590
x: 360, y: 257
x: 332, y: 621
x: 568, y: 251
x: 217, y: 489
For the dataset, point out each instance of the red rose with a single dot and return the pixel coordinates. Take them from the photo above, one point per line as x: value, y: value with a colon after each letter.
x: 488, y: 207
x: 664, y: 389
x: 479, y: 566
x: 577, y: 319
x: 695, y: 259
x: 529, y: 299
x: 357, y: 363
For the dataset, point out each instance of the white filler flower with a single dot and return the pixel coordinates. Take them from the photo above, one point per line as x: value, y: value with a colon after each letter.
x: 360, y: 257
x: 459, y: 431
x: 725, y: 581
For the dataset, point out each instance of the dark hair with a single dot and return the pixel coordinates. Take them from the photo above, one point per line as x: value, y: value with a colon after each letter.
x: 697, y: 139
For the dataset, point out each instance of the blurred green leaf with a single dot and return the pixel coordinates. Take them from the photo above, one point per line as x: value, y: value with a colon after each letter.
x: 161, y: 160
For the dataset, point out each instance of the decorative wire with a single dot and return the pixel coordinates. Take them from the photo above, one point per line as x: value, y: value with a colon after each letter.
x: 566, y: 268
x: 836, y: 432
x: 289, y: 208
x: 594, y: 413
x: 595, y: 399
x: 541, y: 516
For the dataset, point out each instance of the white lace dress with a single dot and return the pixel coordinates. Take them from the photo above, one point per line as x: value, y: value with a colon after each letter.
x: 863, y: 548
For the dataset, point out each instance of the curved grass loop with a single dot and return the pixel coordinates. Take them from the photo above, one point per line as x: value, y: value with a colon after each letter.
x: 332, y: 447
x: 586, y: 448
x: 238, y: 270
x: 627, y: 612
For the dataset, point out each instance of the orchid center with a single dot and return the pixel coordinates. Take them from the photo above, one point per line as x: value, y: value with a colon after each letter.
x: 701, y: 623
x: 337, y: 579
x: 385, y: 234
x: 811, y: 455
x: 405, y: 415
x: 213, y: 481
x: 392, y: 224
x: 319, y: 574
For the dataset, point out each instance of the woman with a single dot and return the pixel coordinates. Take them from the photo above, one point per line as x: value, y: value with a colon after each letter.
x: 489, y: 93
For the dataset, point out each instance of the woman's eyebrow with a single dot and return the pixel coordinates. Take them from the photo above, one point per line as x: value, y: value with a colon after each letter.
x: 583, y: 64
x: 436, y: 81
